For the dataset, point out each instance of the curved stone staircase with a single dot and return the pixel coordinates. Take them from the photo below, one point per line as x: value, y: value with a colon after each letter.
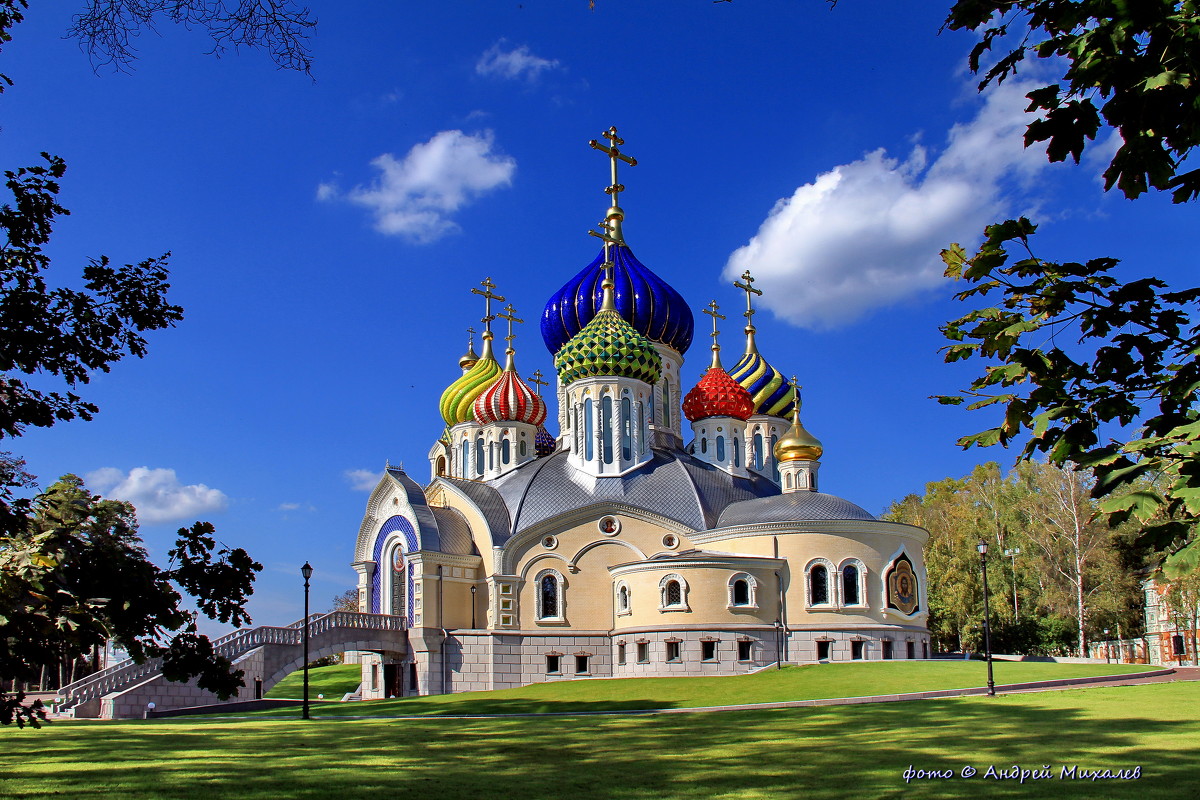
x: 266, y: 653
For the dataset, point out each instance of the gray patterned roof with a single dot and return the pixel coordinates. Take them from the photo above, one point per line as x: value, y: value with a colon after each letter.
x: 791, y: 507
x: 456, y: 533
x: 489, y: 503
x: 672, y: 484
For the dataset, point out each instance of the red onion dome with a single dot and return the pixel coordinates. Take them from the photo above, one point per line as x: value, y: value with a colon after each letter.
x: 717, y: 395
x: 509, y: 400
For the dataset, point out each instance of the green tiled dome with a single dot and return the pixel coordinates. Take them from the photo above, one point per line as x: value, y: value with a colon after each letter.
x: 458, y: 400
x: 608, y: 345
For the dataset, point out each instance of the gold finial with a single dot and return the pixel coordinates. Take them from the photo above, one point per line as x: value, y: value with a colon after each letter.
x: 614, y: 217
x: 470, y: 339
x: 469, y: 358
x: 488, y: 297
x: 798, y: 444
x: 510, y: 314
x: 716, y: 347
x: 748, y: 288
x: 538, y: 381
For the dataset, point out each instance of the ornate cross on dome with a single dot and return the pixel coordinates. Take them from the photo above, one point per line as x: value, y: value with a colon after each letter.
x: 470, y: 338
x: 796, y: 395
x: 488, y: 297
x: 612, y: 222
x: 538, y: 381
x: 510, y: 314
x: 716, y: 347
x: 748, y: 288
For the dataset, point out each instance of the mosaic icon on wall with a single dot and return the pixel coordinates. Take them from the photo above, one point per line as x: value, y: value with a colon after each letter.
x: 902, y: 586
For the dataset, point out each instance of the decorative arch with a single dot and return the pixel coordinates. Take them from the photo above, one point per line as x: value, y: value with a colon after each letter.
x: 852, y: 582
x: 743, y: 591
x: 820, y: 588
x: 600, y: 542
x: 673, y: 593
x: 550, y: 594
x: 901, y: 585
x: 395, y: 533
x: 622, y: 599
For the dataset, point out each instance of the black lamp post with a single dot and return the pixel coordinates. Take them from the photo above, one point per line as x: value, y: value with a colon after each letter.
x: 473, y: 590
x: 982, y: 547
x: 306, y: 571
x: 778, y: 644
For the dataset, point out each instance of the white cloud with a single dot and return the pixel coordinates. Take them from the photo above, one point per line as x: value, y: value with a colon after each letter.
x: 414, y: 197
x: 362, y: 480
x: 513, y: 64
x: 307, y: 507
x: 157, y: 494
x: 867, y: 234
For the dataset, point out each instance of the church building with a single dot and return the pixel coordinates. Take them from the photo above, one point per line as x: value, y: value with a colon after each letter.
x: 619, y: 547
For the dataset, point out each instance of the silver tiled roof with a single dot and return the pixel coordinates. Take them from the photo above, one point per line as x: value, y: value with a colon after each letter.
x: 456, y: 533
x: 489, y: 503
x: 791, y: 507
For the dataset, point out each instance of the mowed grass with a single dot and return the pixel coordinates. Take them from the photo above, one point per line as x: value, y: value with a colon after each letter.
x: 817, y: 681
x: 859, y: 751
x: 332, y: 681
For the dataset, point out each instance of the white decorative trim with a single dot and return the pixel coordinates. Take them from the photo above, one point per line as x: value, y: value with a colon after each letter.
x: 663, y: 604
x: 751, y: 592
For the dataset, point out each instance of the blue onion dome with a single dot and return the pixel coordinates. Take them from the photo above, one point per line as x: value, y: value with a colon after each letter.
x: 608, y: 346
x: 643, y: 299
x: 772, y: 394
x: 543, y: 443
x: 458, y: 401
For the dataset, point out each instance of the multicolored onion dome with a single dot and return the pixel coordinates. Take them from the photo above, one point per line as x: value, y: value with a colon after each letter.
x: 543, y: 443
x: 643, y: 299
x: 608, y: 346
x: 772, y: 394
x: 717, y: 395
x: 509, y: 400
x: 457, y: 404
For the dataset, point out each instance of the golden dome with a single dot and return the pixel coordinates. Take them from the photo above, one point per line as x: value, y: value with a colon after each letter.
x: 798, y: 444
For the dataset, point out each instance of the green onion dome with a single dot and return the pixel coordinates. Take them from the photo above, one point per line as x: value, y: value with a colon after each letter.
x: 608, y: 345
x: 458, y: 401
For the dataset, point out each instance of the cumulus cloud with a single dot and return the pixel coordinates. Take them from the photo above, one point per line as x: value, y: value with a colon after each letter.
x: 307, y: 507
x: 513, y: 64
x: 157, y: 494
x: 867, y: 234
x: 362, y: 480
x: 415, y: 196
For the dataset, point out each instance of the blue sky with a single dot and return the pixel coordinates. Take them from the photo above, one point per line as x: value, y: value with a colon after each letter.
x: 325, y: 233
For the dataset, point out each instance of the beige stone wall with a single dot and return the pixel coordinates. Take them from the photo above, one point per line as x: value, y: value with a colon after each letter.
x: 707, y: 595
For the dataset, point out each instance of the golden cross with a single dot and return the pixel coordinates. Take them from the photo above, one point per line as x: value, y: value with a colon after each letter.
x: 748, y: 287
x: 488, y: 297
x: 712, y: 312
x: 796, y: 395
x: 614, y: 156
x: 470, y: 338
x: 538, y: 381
x: 510, y: 314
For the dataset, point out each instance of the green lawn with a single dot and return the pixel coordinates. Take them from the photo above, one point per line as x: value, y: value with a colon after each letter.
x: 333, y: 682
x: 857, y: 751
x: 769, y: 686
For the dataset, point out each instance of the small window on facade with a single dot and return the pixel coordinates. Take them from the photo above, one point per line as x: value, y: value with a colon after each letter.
x: 606, y: 429
x: 588, y: 430
x: 737, y: 452
x: 758, y: 451
x: 522, y: 449
x: 911, y: 647
x: 505, y: 452
x: 666, y: 402
x: 549, y: 596
x: 620, y: 654
x: 466, y: 458
x: 887, y: 649
x: 673, y: 651
x: 581, y: 665
x: 818, y: 585
x: 745, y: 651
x: 622, y: 598
x: 856, y: 650
x: 741, y: 592
x: 479, y: 456
x: 823, y: 651
x: 708, y: 651
x: 704, y: 445
x: 643, y: 652
x: 674, y: 594
x: 720, y: 448
x: 626, y: 429
x: 850, y: 585
x: 787, y: 481
x: 553, y: 665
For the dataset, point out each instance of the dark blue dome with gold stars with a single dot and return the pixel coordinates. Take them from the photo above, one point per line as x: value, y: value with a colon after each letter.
x: 646, y: 301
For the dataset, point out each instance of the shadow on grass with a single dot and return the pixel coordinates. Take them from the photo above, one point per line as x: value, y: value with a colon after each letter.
x: 859, y: 751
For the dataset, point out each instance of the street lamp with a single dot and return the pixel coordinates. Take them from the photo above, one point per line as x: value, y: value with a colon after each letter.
x: 982, y: 547
x: 306, y: 571
x: 778, y: 644
x: 1013, y: 552
x: 473, y: 590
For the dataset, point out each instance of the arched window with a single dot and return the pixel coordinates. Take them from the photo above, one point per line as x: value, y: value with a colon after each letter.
x: 758, y: 451
x: 626, y: 430
x: 645, y: 422
x: 505, y: 451
x: 673, y: 589
x: 549, y: 595
x: 787, y: 481
x: 588, y: 430
x: 743, y: 590
x: 479, y: 456
x: 397, y: 580
x: 737, y: 452
x: 622, y: 599
x: 720, y: 448
x: 666, y: 403
x: 704, y: 445
x: 523, y: 449
x: 818, y: 585
x: 465, y: 466
x: 606, y: 428
x: 851, y: 594
x: 774, y: 463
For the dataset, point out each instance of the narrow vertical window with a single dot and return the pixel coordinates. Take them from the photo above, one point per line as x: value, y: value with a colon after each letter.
x: 549, y: 590
x: 758, y: 451
x: 620, y: 654
x: 623, y: 598
x: 774, y: 463
x: 479, y: 456
x: 523, y: 449
x: 666, y: 403
x: 850, y: 585
x: 606, y: 428
x: 465, y: 466
x: 741, y: 592
x: 626, y: 429
x: 703, y: 445
x: 645, y: 420
x: 787, y: 481
x: 674, y: 593
x: 505, y: 451
x: 589, y: 446
x: 737, y: 452
x: 818, y: 585
x: 720, y: 448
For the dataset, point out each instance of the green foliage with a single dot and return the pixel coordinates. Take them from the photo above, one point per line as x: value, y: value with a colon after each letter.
x: 1132, y: 66
x: 1070, y: 352
x: 78, y: 577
